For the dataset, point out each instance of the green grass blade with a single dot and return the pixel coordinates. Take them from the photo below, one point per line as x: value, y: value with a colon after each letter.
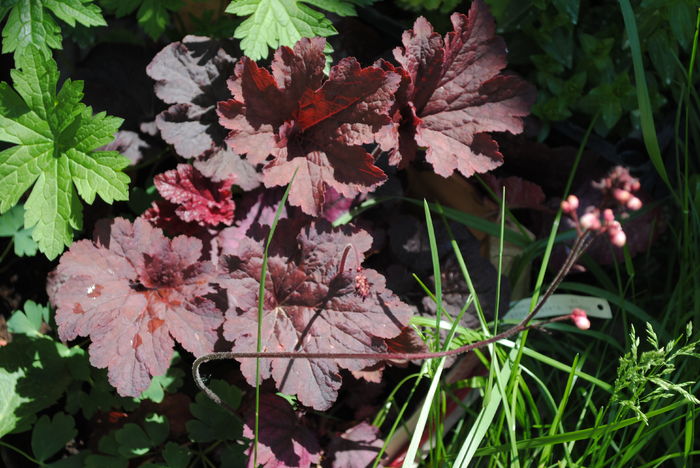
x: 559, y: 415
x: 645, y: 113
x: 437, y: 274
x: 261, y: 304
x: 483, y: 421
x: 582, y: 434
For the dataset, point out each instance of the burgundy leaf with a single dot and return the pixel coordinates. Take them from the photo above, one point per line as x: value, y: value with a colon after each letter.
x: 407, y: 342
x: 284, y: 442
x: 191, y: 76
x: 257, y: 207
x: 457, y: 93
x: 520, y: 193
x: 410, y: 245
x: 355, y: 448
x: 134, y: 292
x: 308, y: 124
x: 127, y: 143
x: 199, y: 199
x: 317, y: 299
x: 162, y: 214
x: 334, y: 205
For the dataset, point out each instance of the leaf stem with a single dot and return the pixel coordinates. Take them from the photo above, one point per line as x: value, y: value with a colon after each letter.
x: 21, y: 452
x: 7, y: 249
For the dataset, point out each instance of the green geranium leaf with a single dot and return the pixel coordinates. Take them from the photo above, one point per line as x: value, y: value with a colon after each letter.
x: 51, y: 435
x: 157, y: 428
x: 133, y: 441
x: 176, y: 456
x: 32, y: 23
x: 28, y: 322
x: 74, y: 461
x: 152, y: 15
x: 162, y: 384
x: 56, y: 137
x: 33, y: 376
x: 105, y: 461
x: 12, y: 225
x: 275, y: 23
x: 212, y: 422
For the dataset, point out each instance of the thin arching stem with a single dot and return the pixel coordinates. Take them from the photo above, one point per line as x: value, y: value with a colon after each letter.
x: 577, y: 249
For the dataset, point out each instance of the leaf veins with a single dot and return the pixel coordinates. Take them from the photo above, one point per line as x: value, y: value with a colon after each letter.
x: 454, y: 94
x: 309, y: 124
x: 312, y: 304
x: 135, y: 292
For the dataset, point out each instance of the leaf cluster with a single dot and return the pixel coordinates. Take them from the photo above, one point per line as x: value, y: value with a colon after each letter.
x: 581, y: 60
x: 32, y: 23
x: 152, y: 15
x: 270, y: 24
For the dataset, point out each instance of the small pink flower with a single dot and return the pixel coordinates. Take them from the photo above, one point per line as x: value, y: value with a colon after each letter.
x: 608, y: 216
x: 623, y: 196
x: 580, y: 319
x: 634, y: 204
x: 590, y: 221
x: 619, y: 238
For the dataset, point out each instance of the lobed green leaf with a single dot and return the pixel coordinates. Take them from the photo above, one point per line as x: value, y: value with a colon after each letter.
x: 56, y: 137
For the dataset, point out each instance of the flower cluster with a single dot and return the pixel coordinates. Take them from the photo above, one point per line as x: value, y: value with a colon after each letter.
x: 617, y: 191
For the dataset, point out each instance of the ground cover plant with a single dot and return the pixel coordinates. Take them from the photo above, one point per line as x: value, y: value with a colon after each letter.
x: 347, y: 233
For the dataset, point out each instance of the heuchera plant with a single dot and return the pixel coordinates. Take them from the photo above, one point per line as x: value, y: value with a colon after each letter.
x: 135, y: 292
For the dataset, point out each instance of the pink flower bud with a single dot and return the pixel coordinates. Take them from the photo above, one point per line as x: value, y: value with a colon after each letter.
x: 614, y: 228
x: 635, y: 186
x: 608, y: 216
x: 580, y: 319
x: 590, y: 221
x: 634, y: 204
x: 618, y: 239
x: 566, y: 207
x: 573, y: 201
x: 622, y: 196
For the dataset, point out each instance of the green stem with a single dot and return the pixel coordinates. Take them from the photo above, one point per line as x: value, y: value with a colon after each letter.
x: 21, y: 452
x: 7, y: 249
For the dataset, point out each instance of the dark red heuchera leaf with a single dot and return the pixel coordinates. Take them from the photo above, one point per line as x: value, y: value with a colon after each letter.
x: 407, y: 342
x: 308, y: 123
x: 520, y: 193
x: 191, y: 76
x: 316, y: 300
x: 355, y: 448
x: 127, y: 143
x: 162, y: 214
x: 456, y: 93
x: 134, y: 292
x: 199, y: 199
x: 334, y: 205
x: 256, y: 207
x: 283, y: 441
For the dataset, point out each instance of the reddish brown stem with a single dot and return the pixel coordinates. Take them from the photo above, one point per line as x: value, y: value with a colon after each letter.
x: 579, y: 246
